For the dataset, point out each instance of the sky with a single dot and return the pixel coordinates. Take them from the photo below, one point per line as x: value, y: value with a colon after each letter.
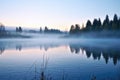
x: 58, y: 14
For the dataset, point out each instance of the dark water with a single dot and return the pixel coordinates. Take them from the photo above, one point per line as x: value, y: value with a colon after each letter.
x: 60, y: 59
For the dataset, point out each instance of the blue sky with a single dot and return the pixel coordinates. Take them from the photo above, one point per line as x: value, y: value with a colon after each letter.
x: 59, y: 14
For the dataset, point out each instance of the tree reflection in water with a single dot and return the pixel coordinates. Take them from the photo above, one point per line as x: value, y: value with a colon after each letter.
x: 97, y: 52
x: 2, y: 49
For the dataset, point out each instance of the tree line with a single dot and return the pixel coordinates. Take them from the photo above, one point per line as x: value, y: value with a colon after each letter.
x: 20, y: 29
x: 97, y: 25
x: 46, y: 30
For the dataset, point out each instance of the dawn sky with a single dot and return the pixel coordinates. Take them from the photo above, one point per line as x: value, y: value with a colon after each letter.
x: 58, y: 14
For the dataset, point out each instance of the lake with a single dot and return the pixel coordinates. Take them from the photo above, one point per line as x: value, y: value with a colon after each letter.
x: 59, y: 59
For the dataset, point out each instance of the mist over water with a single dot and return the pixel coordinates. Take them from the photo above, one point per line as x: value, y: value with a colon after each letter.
x: 75, y: 58
x: 57, y: 39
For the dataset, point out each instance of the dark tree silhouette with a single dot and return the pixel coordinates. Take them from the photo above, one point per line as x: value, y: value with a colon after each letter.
x: 115, y: 19
x: 77, y: 28
x: 115, y: 24
x: 97, y: 25
x: 46, y: 29
x: 2, y: 28
x: 72, y: 29
x: 106, y: 23
x: 19, y: 29
x: 40, y: 30
x: 3, y: 32
x: 110, y: 25
x: 88, y: 25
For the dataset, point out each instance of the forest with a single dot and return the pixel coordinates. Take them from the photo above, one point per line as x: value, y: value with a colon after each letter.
x: 97, y: 25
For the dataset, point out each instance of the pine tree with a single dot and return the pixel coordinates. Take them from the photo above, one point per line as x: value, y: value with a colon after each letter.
x: 77, y: 28
x: 46, y: 29
x: 98, y: 27
x: 106, y: 23
x: 72, y: 29
x: 2, y: 28
x: 88, y: 25
x: 115, y: 24
x: 95, y: 25
x: 20, y: 29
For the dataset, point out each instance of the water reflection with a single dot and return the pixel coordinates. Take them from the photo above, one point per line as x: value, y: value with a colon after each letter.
x: 2, y: 49
x: 97, y: 52
x: 19, y: 47
x: 75, y: 65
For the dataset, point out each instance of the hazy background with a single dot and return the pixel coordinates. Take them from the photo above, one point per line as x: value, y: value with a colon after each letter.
x: 58, y: 14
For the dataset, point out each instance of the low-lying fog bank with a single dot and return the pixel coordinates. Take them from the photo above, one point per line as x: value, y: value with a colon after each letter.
x: 57, y: 41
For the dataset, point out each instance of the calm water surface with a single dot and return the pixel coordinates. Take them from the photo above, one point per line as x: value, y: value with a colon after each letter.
x: 63, y: 59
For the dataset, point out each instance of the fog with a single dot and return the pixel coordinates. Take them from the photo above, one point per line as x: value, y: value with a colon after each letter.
x: 53, y: 40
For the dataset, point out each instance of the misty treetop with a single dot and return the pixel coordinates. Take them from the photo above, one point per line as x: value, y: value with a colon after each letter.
x: 19, y: 29
x: 97, y: 25
x: 2, y: 28
x: 47, y: 30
